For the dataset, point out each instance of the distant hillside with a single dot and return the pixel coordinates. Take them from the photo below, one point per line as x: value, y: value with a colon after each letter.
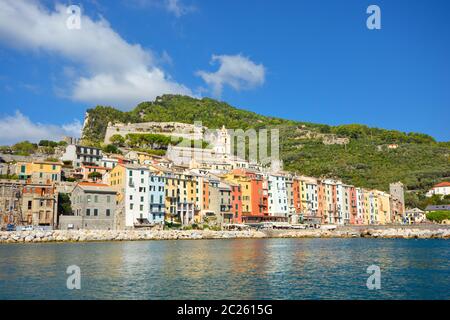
x: 355, y: 153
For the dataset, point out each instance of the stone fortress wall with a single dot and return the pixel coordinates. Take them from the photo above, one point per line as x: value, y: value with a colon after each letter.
x: 176, y: 129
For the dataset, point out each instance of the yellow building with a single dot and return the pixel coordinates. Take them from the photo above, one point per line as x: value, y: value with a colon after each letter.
x: 303, y: 198
x: 42, y: 172
x: 181, y: 198
x: 371, y: 206
x: 384, y: 208
x: 246, y: 189
x: 117, y: 181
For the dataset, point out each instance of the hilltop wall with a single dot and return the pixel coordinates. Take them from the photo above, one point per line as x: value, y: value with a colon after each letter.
x: 177, y: 129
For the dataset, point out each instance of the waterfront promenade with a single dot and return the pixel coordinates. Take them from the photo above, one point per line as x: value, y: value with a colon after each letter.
x: 404, y: 232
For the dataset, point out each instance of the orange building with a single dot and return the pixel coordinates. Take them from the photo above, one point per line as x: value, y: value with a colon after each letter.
x: 254, y: 191
x: 321, y: 201
x: 236, y: 202
x: 297, y: 195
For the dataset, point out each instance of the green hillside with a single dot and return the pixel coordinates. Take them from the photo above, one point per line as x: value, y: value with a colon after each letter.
x: 419, y: 161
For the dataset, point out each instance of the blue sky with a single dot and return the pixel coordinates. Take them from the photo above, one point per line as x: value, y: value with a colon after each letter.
x: 312, y: 61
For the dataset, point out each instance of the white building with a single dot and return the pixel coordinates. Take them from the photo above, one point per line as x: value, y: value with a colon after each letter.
x: 360, y: 209
x: 278, y: 200
x: 82, y: 154
x: 442, y: 189
x: 109, y: 162
x: 136, y: 196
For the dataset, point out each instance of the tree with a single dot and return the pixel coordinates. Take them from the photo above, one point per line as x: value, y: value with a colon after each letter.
x: 110, y: 148
x: 47, y: 143
x: 95, y: 175
x: 5, y: 149
x: 24, y: 148
x: 117, y: 140
x: 438, y: 216
x: 64, y: 204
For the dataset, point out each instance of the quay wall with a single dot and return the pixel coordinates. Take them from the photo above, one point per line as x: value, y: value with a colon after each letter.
x: 135, y: 235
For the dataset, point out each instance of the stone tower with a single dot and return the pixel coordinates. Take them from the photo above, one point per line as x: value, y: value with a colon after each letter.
x: 397, y: 190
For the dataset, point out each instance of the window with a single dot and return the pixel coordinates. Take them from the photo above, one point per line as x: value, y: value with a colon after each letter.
x: 88, y: 212
x: 108, y: 199
x: 141, y: 207
x: 95, y: 212
x: 29, y: 204
x: 88, y: 198
x: 96, y: 199
x: 108, y: 212
x: 130, y: 173
x: 131, y: 206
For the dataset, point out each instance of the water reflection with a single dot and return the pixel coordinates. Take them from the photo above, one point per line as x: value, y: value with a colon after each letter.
x: 226, y: 269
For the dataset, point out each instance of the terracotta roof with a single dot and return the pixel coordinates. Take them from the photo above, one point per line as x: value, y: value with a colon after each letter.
x: 96, y: 167
x: 93, y: 184
x: 99, y: 187
x: 442, y: 184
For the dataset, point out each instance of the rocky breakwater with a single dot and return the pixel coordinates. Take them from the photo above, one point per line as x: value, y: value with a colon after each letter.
x: 135, y: 235
x: 121, y: 235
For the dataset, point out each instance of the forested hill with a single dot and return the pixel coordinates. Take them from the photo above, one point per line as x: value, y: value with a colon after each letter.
x: 354, y: 153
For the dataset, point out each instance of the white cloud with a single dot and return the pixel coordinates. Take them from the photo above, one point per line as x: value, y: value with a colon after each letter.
x: 236, y: 71
x: 20, y: 127
x: 112, y: 70
x: 178, y: 8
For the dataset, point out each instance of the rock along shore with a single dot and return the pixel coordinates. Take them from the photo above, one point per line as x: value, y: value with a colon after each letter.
x: 135, y: 235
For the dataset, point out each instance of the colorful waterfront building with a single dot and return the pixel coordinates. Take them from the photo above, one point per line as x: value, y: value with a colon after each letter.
x: 226, y: 211
x: 236, y: 202
x: 93, y: 207
x: 180, y: 194
x: 360, y: 206
x: 351, y: 190
x: 277, y: 196
x: 329, y: 202
x: 157, y: 196
x: 308, y: 195
x: 259, y: 193
x: 39, y: 204
x: 290, y: 195
x: 237, y: 177
x: 384, y: 207
x: 132, y: 182
x: 297, y: 195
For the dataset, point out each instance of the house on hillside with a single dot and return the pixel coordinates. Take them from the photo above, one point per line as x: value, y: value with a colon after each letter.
x: 442, y: 189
